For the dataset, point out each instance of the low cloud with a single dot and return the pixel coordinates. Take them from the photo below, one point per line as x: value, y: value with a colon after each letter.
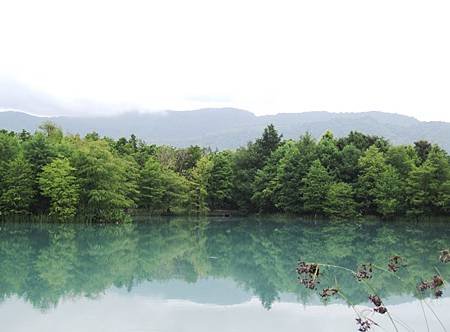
x: 15, y: 95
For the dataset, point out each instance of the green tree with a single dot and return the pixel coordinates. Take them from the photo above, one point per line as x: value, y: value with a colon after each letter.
x: 124, y: 147
x: 245, y: 167
x: 315, y: 188
x: 328, y: 152
x: 265, y: 187
x: 422, y: 148
x: 107, y: 186
x: 339, y: 202
x: 347, y: 169
x: 92, y: 136
x: 219, y: 185
x: 403, y: 158
x: 162, y: 189
x: 427, y: 187
x: 439, y: 162
x: 388, y: 192
x: 57, y: 182
x: 151, y: 185
x: 370, y: 165
x: 444, y: 197
x: 247, y: 162
x: 199, y: 177
x: 417, y: 189
x: 268, y: 143
x: 143, y: 152
x: 291, y: 170
x: 52, y: 131
x: 360, y: 141
x: 9, y: 147
x: 17, y: 187
x: 176, y: 192
x: 39, y: 150
x: 167, y: 156
x: 187, y: 158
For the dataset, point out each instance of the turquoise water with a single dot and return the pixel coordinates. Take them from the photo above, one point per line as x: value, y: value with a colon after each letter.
x: 216, y: 274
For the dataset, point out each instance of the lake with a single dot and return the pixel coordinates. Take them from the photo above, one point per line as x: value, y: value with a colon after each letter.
x: 218, y: 274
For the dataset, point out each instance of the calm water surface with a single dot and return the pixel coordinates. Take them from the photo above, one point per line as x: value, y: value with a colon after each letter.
x: 232, y: 274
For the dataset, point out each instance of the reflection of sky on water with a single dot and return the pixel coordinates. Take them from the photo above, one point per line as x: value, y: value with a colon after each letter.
x: 201, y: 307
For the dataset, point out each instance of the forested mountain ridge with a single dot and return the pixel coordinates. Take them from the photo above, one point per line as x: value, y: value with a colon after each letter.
x: 229, y: 128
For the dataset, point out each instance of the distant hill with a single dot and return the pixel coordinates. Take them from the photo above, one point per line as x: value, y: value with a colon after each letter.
x: 223, y: 128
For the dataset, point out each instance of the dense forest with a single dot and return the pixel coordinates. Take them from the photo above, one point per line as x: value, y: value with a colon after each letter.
x: 68, y: 176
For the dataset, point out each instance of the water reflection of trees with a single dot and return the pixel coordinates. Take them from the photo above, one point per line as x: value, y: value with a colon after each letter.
x: 45, y: 263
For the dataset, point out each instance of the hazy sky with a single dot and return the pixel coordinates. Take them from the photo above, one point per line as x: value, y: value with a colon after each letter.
x: 264, y: 56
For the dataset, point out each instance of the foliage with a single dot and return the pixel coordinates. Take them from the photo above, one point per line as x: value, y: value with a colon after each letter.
x: 371, y: 165
x: 200, y: 178
x: 427, y: 185
x: 58, y: 182
x: 265, y: 185
x: 339, y: 202
x: 107, y: 183
x: 422, y: 148
x: 66, y: 175
x: 347, y: 168
x: 219, y: 184
x: 316, y: 185
x: 151, y: 185
x: 388, y: 192
x: 291, y: 170
x: 17, y: 191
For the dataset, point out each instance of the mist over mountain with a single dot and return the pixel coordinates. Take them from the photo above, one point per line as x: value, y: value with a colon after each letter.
x: 15, y: 95
x: 224, y: 128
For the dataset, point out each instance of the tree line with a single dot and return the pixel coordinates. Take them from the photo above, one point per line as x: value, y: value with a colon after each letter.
x: 66, y: 176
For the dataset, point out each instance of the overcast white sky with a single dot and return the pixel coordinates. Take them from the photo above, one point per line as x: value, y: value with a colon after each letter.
x: 264, y: 56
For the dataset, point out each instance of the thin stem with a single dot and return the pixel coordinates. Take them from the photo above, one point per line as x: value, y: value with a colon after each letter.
x: 349, y: 303
x: 431, y: 309
x: 424, y: 315
x: 370, y: 287
x: 356, y: 311
x: 339, y: 267
x: 407, y: 328
x: 374, y: 291
x: 384, y: 270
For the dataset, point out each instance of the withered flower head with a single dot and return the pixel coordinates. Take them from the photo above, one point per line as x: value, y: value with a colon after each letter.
x: 308, y: 274
x: 311, y: 268
x: 395, y: 262
x: 327, y: 292
x: 375, y: 300
x: 423, y: 285
x: 434, y: 284
x: 437, y: 281
x: 381, y: 310
x: 364, y: 272
x: 444, y: 257
x: 363, y: 325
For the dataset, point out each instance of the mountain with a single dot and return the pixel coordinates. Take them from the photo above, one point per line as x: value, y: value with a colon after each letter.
x: 230, y: 128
